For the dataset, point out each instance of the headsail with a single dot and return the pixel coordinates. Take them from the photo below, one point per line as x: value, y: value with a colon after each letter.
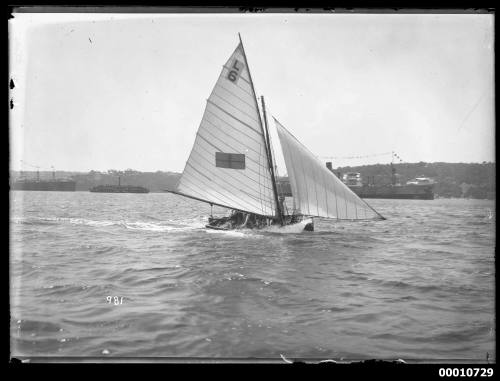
x: 228, y: 164
x: 316, y: 190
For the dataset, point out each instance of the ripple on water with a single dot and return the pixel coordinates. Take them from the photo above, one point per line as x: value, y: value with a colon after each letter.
x: 419, y: 284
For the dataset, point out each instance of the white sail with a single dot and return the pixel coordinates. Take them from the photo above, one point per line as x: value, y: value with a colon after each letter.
x: 228, y: 163
x: 316, y: 190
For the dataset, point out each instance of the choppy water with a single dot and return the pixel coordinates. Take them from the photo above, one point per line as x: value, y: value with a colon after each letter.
x: 417, y: 286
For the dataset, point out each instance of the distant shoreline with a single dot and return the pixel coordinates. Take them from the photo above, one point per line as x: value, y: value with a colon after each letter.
x: 453, y: 180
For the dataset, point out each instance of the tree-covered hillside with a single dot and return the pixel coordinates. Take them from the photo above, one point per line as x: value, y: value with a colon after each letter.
x: 475, y: 180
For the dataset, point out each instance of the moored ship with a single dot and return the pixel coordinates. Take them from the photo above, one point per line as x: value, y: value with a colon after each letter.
x: 65, y: 185
x: 38, y: 184
x: 109, y: 188
x: 408, y: 191
x: 419, y: 188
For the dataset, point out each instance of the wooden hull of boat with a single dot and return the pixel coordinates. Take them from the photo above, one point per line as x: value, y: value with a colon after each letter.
x: 298, y: 227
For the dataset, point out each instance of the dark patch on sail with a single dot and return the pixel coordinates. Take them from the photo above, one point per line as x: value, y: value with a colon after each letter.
x: 230, y: 160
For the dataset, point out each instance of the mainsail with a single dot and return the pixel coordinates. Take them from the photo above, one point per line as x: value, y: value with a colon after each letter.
x: 316, y: 190
x: 228, y: 164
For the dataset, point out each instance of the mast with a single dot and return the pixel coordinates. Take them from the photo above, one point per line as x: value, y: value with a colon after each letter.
x: 268, y: 151
x: 270, y: 160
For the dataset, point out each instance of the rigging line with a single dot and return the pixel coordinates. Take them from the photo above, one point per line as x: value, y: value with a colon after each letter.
x: 353, y: 157
x: 471, y: 111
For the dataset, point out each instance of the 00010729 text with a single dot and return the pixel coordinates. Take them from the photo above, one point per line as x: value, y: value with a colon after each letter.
x: 465, y: 372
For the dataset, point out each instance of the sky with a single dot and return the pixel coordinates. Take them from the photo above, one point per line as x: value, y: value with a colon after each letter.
x: 114, y: 91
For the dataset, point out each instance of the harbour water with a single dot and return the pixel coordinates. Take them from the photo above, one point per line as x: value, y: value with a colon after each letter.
x: 137, y: 275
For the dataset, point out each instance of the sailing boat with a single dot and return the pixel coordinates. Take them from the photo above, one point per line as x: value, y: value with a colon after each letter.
x: 231, y: 165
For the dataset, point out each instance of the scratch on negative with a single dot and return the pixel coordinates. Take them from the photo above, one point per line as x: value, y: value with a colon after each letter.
x: 471, y: 111
x: 285, y: 359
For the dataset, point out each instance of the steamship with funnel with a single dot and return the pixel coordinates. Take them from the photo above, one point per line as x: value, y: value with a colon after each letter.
x: 420, y: 188
x: 110, y: 188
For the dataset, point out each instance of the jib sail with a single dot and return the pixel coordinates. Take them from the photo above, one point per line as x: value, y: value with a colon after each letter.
x: 316, y: 190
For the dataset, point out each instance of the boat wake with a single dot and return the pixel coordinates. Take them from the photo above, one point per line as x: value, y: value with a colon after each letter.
x: 131, y: 225
x: 296, y: 228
